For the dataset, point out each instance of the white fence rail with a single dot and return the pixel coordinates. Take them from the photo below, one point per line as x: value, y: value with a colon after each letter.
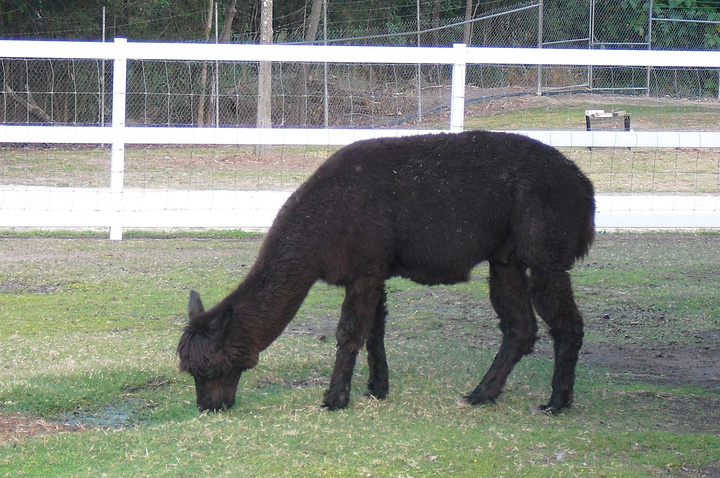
x: 119, y: 207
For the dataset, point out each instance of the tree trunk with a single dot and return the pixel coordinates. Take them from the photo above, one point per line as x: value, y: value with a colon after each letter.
x: 467, y: 33
x: 224, y: 38
x: 204, y: 73
x: 314, y: 21
x: 227, y: 26
x: 264, y: 111
x: 298, y: 113
x: 436, y: 22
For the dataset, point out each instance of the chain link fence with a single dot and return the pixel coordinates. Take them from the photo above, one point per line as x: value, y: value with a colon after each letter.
x: 348, y: 95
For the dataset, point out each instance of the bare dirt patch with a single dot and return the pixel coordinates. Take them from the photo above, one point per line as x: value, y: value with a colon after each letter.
x: 664, y: 364
x: 14, y: 427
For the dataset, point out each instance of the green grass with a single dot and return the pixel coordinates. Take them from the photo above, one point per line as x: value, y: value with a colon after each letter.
x: 91, y: 326
x: 563, y: 116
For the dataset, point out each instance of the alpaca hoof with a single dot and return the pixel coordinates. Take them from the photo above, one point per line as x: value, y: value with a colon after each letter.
x: 553, y: 410
x: 478, y: 399
x: 376, y: 396
x: 335, y: 401
x: 379, y: 393
x: 557, y: 404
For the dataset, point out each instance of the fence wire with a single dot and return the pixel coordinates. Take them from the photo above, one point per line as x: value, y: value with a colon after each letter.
x: 225, y: 94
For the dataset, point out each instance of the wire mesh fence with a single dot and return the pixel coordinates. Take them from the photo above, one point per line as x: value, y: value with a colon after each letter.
x: 225, y: 94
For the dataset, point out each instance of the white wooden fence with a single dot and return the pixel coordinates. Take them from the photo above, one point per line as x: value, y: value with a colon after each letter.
x: 118, y: 207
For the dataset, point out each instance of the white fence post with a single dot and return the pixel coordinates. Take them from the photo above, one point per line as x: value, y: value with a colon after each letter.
x: 117, y: 155
x: 457, y: 100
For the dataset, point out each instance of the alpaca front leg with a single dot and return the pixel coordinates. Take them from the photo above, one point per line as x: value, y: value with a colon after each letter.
x: 356, y: 323
x: 337, y: 395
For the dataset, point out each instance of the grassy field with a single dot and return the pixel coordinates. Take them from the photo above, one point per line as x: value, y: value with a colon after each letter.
x: 89, y: 383
x: 568, y: 113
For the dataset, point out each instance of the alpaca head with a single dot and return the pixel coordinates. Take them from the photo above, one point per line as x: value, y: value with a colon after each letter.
x: 204, y: 355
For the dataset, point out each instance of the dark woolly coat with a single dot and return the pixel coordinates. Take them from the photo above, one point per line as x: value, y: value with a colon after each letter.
x: 428, y: 208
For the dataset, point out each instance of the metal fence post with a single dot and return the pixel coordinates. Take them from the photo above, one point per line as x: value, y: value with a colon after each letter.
x: 117, y: 153
x: 649, y: 47
x: 591, y: 41
x: 539, y: 45
x: 457, y: 99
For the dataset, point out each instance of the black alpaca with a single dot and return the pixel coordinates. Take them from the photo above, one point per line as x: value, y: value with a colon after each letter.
x: 428, y: 208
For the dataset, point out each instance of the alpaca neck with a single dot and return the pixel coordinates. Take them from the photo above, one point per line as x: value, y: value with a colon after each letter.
x: 271, y: 295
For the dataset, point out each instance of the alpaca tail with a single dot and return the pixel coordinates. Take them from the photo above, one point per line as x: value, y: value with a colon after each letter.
x: 588, y: 235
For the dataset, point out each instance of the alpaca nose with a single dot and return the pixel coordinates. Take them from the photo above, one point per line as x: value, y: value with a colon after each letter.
x: 216, y: 395
x: 215, y: 405
x: 215, y: 408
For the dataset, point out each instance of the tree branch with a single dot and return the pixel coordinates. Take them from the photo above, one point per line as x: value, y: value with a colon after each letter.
x: 29, y: 104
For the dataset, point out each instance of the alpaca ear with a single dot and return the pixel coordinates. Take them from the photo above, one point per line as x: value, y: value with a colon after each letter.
x: 195, y: 306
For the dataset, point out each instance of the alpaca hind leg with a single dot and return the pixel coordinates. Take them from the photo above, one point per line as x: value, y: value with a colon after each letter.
x: 356, y: 323
x: 553, y: 298
x: 378, y: 381
x: 510, y: 297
